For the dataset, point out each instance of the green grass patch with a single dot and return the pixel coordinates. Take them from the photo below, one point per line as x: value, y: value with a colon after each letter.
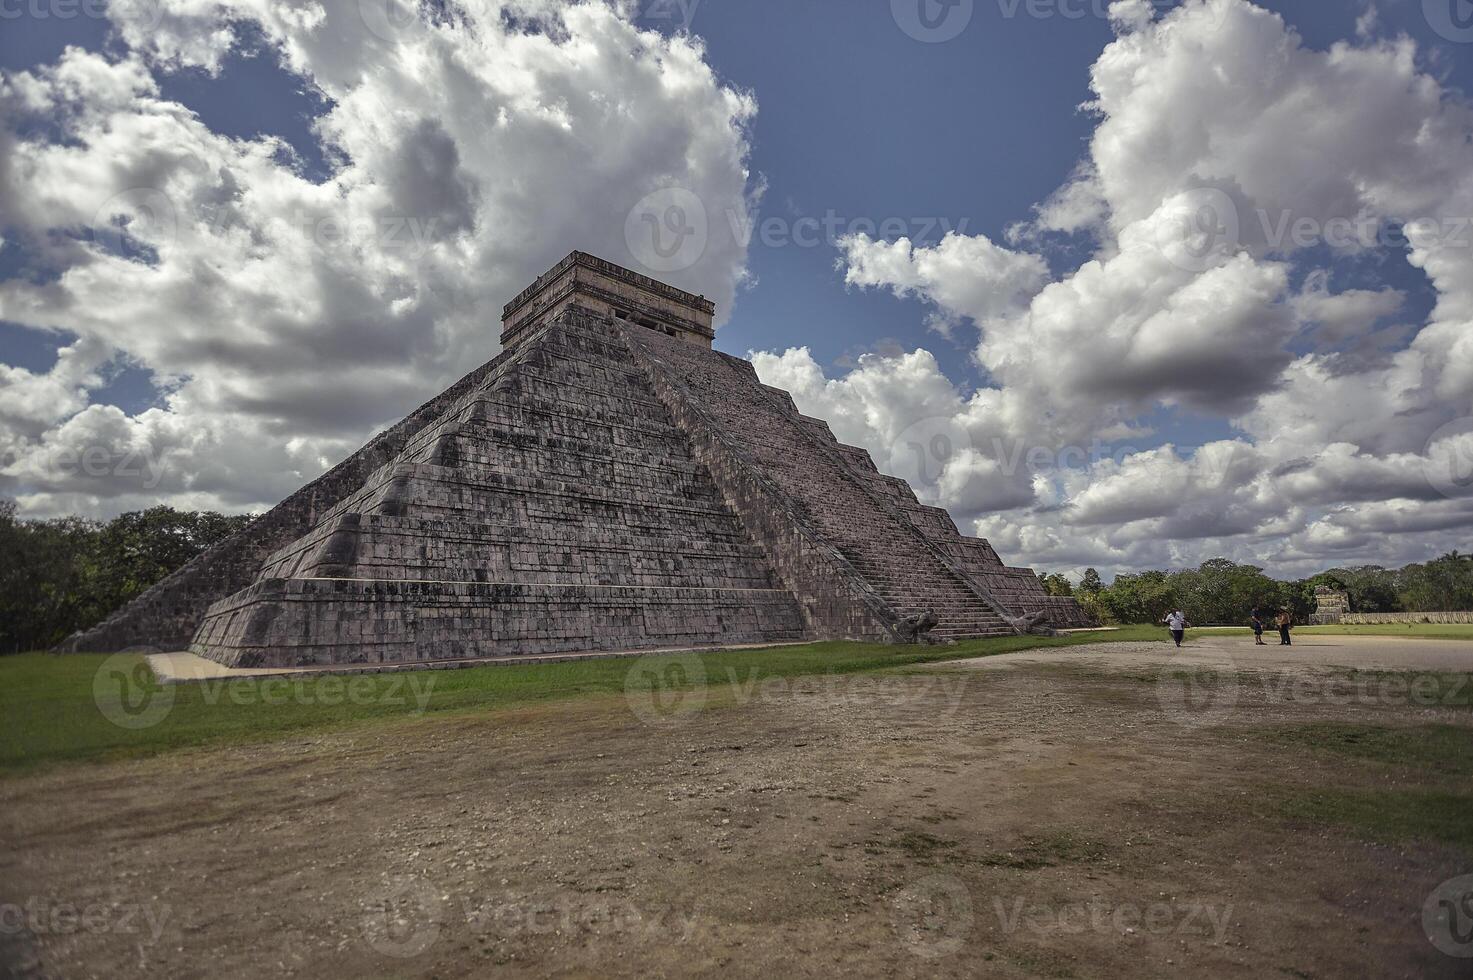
x: 1434, y: 750
x: 1437, y: 753
x: 56, y: 708
x: 1389, y: 816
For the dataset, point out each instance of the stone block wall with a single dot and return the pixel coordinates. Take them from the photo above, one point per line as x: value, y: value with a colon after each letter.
x: 166, y: 615
x: 1017, y: 590
x: 853, y: 513
x: 557, y: 508
x: 360, y: 621
x: 1379, y: 619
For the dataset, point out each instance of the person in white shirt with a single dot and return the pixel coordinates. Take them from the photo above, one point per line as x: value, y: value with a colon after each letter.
x: 1177, y: 623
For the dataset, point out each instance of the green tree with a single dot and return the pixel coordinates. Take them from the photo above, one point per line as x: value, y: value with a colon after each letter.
x: 1442, y: 584
x: 1224, y: 592
x: 1056, y: 584
x: 1369, y: 588
x: 136, y: 549
x: 1142, y: 597
x: 69, y: 573
x: 1298, y: 598
x: 1090, y: 584
x: 43, y: 578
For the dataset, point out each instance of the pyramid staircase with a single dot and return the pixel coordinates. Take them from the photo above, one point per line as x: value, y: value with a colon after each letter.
x: 802, y: 460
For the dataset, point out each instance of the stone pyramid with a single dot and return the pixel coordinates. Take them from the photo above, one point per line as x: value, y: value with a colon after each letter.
x: 608, y: 482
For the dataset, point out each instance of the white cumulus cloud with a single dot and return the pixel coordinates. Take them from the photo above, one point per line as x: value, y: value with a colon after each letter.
x: 1229, y: 159
x: 283, y: 317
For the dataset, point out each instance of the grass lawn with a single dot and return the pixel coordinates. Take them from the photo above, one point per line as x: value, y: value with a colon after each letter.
x: 1429, y: 631
x: 1440, y: 757
x: 1437, y: 750
x: 68, y: 707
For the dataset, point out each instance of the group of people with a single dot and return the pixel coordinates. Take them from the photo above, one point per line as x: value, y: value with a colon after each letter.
x: 1177, y: 622
x: 1283, y: 621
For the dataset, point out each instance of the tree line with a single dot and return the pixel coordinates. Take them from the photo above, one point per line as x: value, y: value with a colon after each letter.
x: 69, y: 573
x: 1224, y: 592
x: 65, y: 574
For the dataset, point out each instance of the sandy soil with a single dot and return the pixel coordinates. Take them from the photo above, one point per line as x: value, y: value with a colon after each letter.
x: 1093, y: 812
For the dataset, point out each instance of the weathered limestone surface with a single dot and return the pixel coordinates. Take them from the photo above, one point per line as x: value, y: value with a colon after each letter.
x: 868, y: 534
x: 607, y: 482
x: 556, y: 508
x: 166, y: 616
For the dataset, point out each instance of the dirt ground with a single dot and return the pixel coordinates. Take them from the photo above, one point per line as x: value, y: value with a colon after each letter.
x: 1085, y: 812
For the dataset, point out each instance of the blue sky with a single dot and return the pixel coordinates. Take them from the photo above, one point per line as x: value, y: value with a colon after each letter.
x: 855, y: 120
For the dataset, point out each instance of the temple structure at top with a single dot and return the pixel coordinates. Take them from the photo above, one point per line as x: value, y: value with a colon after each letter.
x: 601, y: 286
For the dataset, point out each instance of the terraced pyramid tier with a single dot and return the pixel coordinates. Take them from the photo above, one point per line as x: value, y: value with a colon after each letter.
x: 607, y: 482
x: 556, y: 508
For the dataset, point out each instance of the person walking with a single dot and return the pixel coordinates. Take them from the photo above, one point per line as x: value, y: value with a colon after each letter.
x: 1257, y: 628
x: 1284, y: 622
x: 1177, y: 623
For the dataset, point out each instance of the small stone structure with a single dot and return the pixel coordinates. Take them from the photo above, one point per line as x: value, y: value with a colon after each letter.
x: 1330, y: 606
x: 607, y: 482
